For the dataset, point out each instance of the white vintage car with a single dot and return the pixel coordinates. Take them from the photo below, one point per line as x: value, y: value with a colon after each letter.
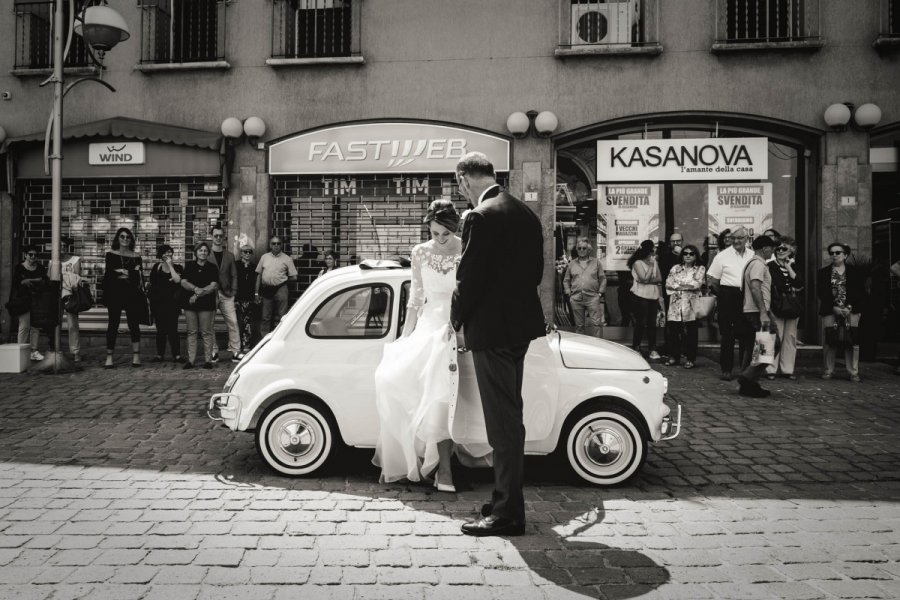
x: 309, y: 385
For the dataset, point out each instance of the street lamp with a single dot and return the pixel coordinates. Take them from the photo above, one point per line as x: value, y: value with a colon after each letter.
x: 102, y: 28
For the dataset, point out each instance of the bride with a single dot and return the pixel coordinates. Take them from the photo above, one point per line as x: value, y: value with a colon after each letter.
x: 413, y: 382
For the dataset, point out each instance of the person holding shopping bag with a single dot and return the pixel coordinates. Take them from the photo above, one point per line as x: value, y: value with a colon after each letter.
x: 758, y: 314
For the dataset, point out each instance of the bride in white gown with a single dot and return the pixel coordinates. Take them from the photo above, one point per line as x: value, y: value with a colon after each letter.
x: 413, y: 381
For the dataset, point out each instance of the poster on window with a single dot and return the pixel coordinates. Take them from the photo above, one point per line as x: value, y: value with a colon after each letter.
x: 628, y: 214
x: 747, y: 205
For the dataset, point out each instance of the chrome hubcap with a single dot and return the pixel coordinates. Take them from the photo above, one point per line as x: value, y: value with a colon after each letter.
x: 297, y: 439
x: 603, y: 446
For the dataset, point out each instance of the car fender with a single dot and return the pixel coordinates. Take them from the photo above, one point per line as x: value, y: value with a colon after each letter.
x: 272, y: 383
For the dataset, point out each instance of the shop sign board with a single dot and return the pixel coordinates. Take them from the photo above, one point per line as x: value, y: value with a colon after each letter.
x: 723, y: 159
x: 116, y: 153
x: 631, y: 212
x: 734, y: 205
x: 390, y: 147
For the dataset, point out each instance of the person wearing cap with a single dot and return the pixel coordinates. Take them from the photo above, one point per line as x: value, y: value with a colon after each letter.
x: 758, y: 316
x: 245, y: 300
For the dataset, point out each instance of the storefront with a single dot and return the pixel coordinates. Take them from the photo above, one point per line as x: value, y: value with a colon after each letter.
x: 697, y: 174
x: 361, y: 189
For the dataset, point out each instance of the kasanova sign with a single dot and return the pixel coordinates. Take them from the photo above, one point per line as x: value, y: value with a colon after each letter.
x: 718, y: 159
x: 384, y: 147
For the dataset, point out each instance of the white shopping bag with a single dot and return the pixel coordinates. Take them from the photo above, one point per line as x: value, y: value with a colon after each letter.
x: 764, y: 349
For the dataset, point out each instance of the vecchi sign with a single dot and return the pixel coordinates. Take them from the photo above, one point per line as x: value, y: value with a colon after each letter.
x: 682, y: 160
x: 396, y: 147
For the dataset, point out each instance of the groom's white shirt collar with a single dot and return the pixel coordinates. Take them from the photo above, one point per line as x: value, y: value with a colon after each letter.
x: 489, y: 188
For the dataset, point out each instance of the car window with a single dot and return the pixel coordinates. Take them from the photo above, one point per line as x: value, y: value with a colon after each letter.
x: 357, y: 312
x: 404, y: 299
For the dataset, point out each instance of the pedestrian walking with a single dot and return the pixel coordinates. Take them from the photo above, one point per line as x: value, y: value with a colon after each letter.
x: 787, y: 284
x: 28, y: 276
x: 122, y: 291
x: 245, y: 301
x: 757, y: 296
x: 201, y: 278
x: 725, y: 276
x: 584, y: 283
x: 70, y: 271
x: 225, y: 262
x: 646, y: 298
x: 840, y: 289
x: 166, y: 297
x: 275, y: 269
x: 683, y: 287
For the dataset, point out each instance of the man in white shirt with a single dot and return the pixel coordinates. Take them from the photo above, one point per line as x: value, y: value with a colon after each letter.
x: 725, y: 279
x: 275, y: 269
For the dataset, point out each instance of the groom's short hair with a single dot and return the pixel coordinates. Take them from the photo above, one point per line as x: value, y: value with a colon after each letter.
x: 475, y: 164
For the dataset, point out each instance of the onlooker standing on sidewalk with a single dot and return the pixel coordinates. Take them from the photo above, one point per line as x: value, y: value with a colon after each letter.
x: 840, y: 289
x: 275, y: 269
x: 725, y: 275
x: 668, y: 256
x: 122, y: 281
x: 225, y: 261
x: 757, y: 311
x: 646, y: 299
x: 26, y: 278
x: 70, y: 270
x: 683, y: 286
x: 201, y: 278
x: 585, y: 284
x: 165, y: 301
x: 786, y: 283
x: 331, y: 262
x: 245, y: 300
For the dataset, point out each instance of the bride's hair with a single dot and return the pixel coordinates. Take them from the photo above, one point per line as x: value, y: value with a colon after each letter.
x: 443, y: 213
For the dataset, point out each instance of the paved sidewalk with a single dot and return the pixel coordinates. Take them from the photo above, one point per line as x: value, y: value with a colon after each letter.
x: 116, y: 485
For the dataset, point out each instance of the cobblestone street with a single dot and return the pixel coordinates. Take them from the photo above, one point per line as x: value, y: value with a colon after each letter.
x: 116, y: 485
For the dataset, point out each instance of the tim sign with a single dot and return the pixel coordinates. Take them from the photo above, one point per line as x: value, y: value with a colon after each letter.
x: 717, y: 159
x: 116, y: 153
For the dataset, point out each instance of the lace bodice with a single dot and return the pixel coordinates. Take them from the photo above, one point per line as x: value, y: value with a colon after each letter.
x: 433, y: 275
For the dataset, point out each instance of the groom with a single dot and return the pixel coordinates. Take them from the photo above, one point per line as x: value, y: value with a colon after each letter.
x: 496, y: 300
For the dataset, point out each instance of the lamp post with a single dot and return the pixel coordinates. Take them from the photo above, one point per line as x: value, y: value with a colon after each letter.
x: 102, y: 28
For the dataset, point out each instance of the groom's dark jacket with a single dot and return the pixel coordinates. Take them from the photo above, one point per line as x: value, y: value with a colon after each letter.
x: 496, y: 298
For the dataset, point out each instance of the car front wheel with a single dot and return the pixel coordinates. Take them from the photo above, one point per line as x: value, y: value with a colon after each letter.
x: 604, y: 446
x: 295, y: 437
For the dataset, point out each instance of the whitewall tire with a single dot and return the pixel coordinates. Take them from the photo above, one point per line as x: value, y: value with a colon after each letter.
x: 604, y: 446
x: 295, y: 437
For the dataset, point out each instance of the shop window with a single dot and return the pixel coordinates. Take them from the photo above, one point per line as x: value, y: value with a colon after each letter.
x: 360, y: 312
x: 315, y: 29
x: 888, y: 24
x: 776, y: 22
x: 592, y: 26
x: 182, y: 31
x: 34, y: 37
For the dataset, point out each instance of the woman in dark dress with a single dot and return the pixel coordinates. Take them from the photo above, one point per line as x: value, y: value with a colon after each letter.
x: 122, y: 282
x: 244, y: 299
x: 26, y: 278
x: 165, y: 301
x: 201, y: 279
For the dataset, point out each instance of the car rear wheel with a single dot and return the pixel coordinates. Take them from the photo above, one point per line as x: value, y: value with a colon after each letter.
x: 295, y: 437
x: 605, y: 446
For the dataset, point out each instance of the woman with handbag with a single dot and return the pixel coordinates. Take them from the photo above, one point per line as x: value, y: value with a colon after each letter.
x: 70, y: 268
x: 840, y: 290
x: 27, y: 277
x: 201, y: 279
x: 646, y: 299
x: 787, y: 306
x: 683, y: 286
x: 165, y: 301
x: 123, y: 290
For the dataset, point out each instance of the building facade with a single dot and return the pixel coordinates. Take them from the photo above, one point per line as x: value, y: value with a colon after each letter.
x: 365, y: 103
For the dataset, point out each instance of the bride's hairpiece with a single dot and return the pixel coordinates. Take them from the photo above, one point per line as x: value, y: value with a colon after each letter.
x: 443, y: 213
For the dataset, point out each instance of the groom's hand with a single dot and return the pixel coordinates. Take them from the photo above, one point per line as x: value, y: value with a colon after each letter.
x: 456, y: 325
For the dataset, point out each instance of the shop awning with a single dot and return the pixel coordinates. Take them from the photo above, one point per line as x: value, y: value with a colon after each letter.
x: 134, y: 129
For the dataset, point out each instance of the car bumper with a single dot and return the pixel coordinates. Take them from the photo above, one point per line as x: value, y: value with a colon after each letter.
x: 669, y: 428
x: 225, y: 407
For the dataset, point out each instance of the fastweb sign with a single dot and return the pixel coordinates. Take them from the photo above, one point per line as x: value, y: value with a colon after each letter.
x: 719, y: 159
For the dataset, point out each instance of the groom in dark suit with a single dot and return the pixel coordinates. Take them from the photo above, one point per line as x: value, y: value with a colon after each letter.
x: 496, y: 301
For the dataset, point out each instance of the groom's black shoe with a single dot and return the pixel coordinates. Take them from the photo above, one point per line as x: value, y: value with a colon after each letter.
x: 492, y: 525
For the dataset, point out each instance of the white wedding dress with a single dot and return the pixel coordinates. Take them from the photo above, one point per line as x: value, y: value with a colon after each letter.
x: 414, y: 384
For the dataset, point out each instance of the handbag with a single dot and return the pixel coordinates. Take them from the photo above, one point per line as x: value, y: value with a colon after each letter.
x: 764, y: 348
x: 703, y: 306
x: 840, y: 335
x: 786, y: 303
x: 142, y: 304
x: 19, y: 304
x: 79, y: 300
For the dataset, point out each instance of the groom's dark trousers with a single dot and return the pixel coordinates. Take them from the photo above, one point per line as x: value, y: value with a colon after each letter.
x: 499, y: 373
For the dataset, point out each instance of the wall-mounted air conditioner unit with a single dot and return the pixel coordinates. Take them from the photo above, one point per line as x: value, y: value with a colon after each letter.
x: 605, y: 23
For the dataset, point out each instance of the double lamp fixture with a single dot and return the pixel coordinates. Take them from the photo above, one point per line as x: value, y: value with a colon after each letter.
x: 253, y: 127
x: 841, y: 115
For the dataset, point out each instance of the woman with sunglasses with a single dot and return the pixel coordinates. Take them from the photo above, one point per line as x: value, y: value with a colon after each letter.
x: 165, y: 296
x: 244, y: 300
x: 785, y: 282
x: 201, y: 279
x: 683, y: 286
x: 26, y: 278
x: 840, y: 289
x: 122, y: 290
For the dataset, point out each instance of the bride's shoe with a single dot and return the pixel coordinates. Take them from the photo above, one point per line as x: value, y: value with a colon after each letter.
x: 444, y: 487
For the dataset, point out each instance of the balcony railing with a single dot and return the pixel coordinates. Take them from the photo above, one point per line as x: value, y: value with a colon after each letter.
x: 182, y: 31
x: 592, y: 26
x: 309, y: 29
x: 768, y: 22
x: 34, y: 37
